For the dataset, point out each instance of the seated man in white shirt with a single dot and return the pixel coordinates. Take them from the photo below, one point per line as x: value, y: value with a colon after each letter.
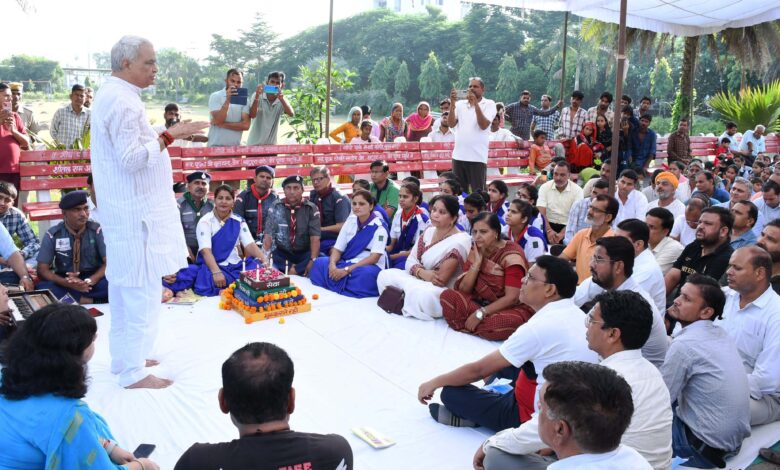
x: 501, y: 134
x: 666, y: 185
x: 584, y: 409
x: 632, y: 203
x: 618, y: 326
x: 752, y: 318
x: 706, y: 379
x: 555, y: 333
x: 665, y: 249
x: 612, y: 269
x: 443, y: 133
x: 647, y: 272
x: 684, y: 229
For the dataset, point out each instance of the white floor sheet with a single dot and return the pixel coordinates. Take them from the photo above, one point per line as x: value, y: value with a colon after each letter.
x: 354, y: 366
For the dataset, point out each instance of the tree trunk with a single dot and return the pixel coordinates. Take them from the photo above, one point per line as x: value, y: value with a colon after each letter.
x: 690, y: 55
x: 577, y: 74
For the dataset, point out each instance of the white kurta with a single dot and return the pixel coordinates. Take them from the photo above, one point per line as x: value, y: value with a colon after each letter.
x: 133, y: 180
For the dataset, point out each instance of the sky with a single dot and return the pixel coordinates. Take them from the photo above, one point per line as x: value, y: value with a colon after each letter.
x: 71, y: 31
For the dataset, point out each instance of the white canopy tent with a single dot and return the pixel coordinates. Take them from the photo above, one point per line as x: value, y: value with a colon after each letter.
x: 677, y: 17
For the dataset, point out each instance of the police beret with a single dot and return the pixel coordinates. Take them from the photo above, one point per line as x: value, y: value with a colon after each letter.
x: 198, y: 175
x: 266, y: 169
x: 291, y: 180
x: 73, y: 199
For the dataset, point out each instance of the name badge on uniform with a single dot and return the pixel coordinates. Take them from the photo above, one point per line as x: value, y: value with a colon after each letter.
x: 62, y: 244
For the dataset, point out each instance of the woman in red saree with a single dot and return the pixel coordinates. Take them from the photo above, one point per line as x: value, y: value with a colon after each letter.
x: 484, y: 299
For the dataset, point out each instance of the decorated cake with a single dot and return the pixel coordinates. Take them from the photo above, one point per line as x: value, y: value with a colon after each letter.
x: 263, y: 293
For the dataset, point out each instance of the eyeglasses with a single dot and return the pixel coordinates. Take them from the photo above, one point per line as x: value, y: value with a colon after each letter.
x: 318, y: 179
x: 599, y: 260
x: 528, y: 277
x: 596, y: 209
x: 589, y: 320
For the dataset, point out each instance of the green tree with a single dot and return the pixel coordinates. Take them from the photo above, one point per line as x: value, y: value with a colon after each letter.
x: 466, y: 71
x: 402, y: 82
x: 661, y: 84
x: 430, y: 78
x: 102, y: 60
x: 22, y: 68
x: 309, y: 99
x: 379, y: 78
x: 508, y: 80
x: 249, y: 52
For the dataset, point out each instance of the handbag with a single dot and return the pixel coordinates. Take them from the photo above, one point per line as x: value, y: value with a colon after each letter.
x: 391, y: 300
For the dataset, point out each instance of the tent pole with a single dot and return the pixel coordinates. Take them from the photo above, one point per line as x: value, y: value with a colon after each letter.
x: 621, y: 63
x: 563, y: 66
x: 327, y: 78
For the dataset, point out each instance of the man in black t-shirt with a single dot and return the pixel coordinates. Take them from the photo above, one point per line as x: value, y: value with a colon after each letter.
x: 257, y: 392
x: 709, y: 254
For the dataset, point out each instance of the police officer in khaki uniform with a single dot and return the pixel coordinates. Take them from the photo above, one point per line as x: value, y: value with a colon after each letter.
x: 72, y: 258
x: 193, y: 205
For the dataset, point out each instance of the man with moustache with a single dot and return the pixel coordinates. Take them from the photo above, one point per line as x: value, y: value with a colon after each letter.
x: 770, y: 241
x: 706, y: 379
x: 612, y: 269
x: 253, y: 203
x: 193, y: 205
x: 601, y: 214
x: 708, y: 254
x: 666, y: 187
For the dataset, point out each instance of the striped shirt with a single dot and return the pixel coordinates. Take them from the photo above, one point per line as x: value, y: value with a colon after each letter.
x: 133, y: 180
x: 547, y: 123
x: 16, y: 224
x: 67, y: 125
x: 571, y: 126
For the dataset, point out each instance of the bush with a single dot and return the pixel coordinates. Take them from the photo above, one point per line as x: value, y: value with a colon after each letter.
x: 751, y: 106
x: 377, y: 99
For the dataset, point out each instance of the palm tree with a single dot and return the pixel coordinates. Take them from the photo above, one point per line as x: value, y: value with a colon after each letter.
x: 754, y: 47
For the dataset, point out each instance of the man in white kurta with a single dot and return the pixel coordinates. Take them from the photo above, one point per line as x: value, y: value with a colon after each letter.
x: 133, y: 177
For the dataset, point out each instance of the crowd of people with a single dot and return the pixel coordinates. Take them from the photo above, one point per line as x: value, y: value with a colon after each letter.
x: 635, y: 326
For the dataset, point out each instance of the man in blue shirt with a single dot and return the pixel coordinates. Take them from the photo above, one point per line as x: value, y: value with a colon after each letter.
x: 12, y: 257
x: 643, y: 144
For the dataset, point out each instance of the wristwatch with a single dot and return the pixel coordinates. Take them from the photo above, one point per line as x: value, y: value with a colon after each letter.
x: 480, y: 314
x: 88, y: 281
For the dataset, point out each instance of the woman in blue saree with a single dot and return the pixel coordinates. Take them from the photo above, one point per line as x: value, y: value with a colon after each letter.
x: 359, y: 254
x: 44, y: 424
x: 409, y: 222
x: 218, y: 263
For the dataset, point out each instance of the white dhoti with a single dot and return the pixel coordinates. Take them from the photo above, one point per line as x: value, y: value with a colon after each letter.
x: 134, y: 317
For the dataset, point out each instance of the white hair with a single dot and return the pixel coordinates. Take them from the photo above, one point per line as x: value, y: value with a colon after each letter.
x: 760, y: 127
x: 126, y: 49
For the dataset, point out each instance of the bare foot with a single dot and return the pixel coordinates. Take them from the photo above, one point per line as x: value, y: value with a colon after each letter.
x: 151, y: 381
x: 152, y: 362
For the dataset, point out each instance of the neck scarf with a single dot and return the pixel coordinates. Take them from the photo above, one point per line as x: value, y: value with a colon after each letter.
x: 495, y: 208
x: 260, y: 200
x: 418, y: 123
x: 76, y: 245
x: 191, y: 201
x: 293, y: 220
x: 321, y: 195
x: 362, y: 225
x: 519, y: 237
x: 406, y: 217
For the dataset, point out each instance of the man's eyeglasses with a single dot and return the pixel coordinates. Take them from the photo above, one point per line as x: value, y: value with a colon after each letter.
x: 589, y: 320
x: 528, y: 277
x: 599, y: 260
x: 318, y: 179
x: 597, y: 209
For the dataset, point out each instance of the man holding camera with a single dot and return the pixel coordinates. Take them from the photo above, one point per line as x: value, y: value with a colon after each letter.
x: 472, y: 116
x: 268, y: 103
x: 228, y: 120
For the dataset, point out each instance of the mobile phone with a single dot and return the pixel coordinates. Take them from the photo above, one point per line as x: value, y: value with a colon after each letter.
x: 144, y: 451
x: 95, y: 312
x: 240, y: 97
x: 461, y: 94
x: 271, y: 90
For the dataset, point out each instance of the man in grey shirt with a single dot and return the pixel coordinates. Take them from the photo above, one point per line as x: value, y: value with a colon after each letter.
x: 265, y: 110
x: 705, y: 376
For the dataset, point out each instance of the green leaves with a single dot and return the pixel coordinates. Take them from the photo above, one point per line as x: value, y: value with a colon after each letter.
x: 430, y: 79
x: 751, y: 106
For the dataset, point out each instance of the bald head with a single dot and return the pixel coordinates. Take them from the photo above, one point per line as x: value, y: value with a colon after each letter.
x: 750, y: 270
